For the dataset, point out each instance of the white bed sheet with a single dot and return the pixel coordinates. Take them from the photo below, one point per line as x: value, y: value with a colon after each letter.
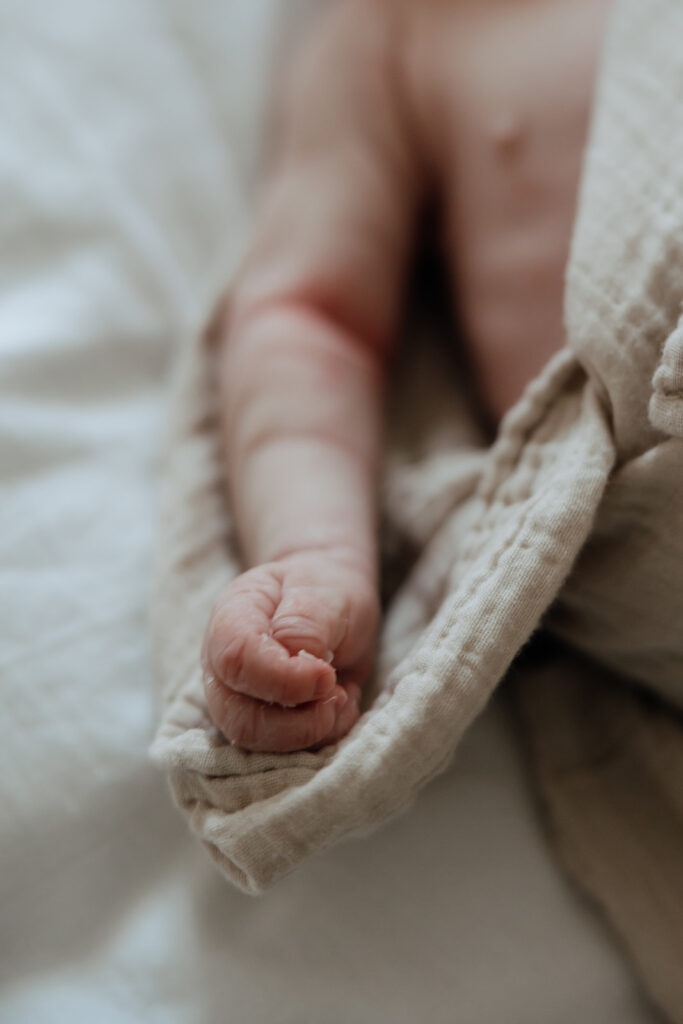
x: 124, y: 126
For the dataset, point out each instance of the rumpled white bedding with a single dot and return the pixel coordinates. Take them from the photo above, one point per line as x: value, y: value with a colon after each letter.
x: 125, y: 134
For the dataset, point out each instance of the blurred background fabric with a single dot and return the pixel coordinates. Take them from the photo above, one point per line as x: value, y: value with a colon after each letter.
x: 128, y: 136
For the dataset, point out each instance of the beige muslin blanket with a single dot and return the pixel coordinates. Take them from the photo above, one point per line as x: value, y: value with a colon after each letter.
x: 569, y: 529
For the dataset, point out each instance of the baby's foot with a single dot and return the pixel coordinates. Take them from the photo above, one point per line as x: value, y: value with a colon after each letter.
x: 288, y: 646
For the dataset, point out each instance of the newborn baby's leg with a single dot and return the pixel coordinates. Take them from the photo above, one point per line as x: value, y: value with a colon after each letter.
x: 305, y: 337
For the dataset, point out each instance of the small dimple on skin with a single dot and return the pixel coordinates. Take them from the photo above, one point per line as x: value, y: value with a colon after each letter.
x: 507, y: 134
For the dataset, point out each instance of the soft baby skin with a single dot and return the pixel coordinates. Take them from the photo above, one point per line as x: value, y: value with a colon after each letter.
x: 481, y: 107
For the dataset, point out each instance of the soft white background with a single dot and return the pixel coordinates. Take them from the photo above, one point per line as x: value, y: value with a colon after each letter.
x: 124, y: 134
